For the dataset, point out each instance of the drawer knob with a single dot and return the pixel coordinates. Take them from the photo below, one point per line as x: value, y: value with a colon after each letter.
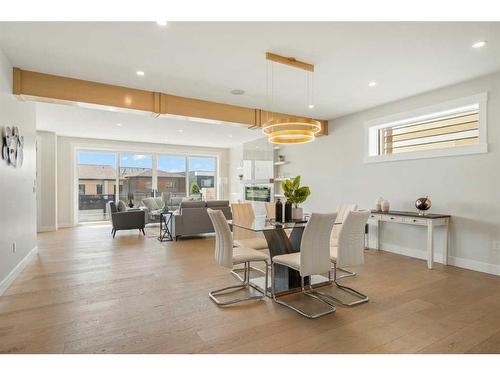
x: 414, y: 220
x: 392, y: 218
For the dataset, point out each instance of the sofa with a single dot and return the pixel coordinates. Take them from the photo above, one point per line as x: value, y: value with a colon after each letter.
x: 153, y: 207
x: 126, y: 219
x: 192, y: 217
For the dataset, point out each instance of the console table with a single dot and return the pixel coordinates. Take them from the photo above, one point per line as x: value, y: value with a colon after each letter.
x: 413, y: 218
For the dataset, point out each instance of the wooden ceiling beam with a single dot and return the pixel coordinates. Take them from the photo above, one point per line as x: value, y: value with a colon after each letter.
x: 44, y: 87
x: 290, y: 61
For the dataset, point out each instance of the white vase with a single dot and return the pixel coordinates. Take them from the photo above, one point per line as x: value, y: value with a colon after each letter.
x: 297, y: 213
x: 384, y: 206
x: 378, y: 204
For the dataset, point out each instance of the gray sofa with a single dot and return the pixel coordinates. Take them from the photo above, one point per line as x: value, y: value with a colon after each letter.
x: 192, y: 217
x: 126, y: 219
x: 153, y: 207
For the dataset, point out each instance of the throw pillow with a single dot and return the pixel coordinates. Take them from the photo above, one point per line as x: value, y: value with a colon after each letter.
x: 121, y: 206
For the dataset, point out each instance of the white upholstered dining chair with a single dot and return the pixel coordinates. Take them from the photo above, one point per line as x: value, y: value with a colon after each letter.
x: 227, y: 256
x: 349, y: 252
x: 243, y: 213
x: 313, y: 259
x: 342, y: 211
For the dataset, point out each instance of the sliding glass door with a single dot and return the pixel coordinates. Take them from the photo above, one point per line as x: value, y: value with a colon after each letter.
x: 111, y: 176
x: 202, y: 177
x: 136, y: 178
x: 171, y: 172
x: 96, y: 173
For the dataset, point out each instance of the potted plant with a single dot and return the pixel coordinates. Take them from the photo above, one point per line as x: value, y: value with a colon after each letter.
x: 295, y: 194
x: 195, y: 189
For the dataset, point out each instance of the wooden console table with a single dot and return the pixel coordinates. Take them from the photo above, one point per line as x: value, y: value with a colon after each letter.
x: 413, y: 218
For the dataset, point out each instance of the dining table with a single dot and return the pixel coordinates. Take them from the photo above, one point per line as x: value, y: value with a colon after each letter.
x: 282, y: 238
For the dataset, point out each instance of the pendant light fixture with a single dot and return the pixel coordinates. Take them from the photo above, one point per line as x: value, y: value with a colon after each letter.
x: 289, y: 129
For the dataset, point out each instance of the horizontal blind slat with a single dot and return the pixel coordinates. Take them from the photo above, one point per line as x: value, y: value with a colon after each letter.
x: 437, y: 131
x: 437, y: 145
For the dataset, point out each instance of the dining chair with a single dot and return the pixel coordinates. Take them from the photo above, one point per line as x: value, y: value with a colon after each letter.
x: 271, y: 210
x: 342, y: 211
x: 349, y: 252
x: 243, y: 213
x: 227, y: 256
x: 313, y: 259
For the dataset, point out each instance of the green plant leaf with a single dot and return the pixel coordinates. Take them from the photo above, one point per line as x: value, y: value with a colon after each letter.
x: 293, y: 192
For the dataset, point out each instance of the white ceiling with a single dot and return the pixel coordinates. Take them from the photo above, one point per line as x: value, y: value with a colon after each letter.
x: 74, y: 121
x: 207, y: 60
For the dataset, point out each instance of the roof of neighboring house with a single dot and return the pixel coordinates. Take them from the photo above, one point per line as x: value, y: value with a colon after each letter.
x: 203, y: 173
x: 96, y: 172
x: 107, y: 172
x: 147, y: 172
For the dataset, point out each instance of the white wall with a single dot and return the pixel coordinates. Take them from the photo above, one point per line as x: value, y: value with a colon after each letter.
x: 17, y: 185
x: 235, y: 185
x: 66, y: 155
x: 467, y: 187
x: 46, y: 181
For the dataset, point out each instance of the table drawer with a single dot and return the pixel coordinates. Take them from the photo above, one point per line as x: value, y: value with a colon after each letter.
x: 392, y: 218
x: 415, y: 220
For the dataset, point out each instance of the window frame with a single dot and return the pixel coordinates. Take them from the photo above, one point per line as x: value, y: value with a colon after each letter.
x: 155, y: 151
x: 372, y: 128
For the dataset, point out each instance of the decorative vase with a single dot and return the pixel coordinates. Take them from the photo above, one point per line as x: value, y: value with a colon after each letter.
x: 297, y: 213
x: 423, y: 204
x: 384, y: 206
x: 279, y: 211
x: 131, y: 203
x: 288, y: 211
x: 378, y: 204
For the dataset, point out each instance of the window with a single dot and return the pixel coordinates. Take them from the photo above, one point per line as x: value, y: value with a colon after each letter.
x: 202, y: 176
x: 453, y: 128
x: 171, y: 175
x: 136, y: 178
x: 105, y: 176
x: 96, y: 172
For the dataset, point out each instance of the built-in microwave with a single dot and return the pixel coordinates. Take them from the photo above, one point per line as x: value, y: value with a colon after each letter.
x: 258, y: 192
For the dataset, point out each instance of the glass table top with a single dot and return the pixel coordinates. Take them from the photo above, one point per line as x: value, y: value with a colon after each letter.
x: 263, y: 224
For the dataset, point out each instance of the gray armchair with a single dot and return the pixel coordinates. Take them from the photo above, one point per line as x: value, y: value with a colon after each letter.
x: 127, y: 219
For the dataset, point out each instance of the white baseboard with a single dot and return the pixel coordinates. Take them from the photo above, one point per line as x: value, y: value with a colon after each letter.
x: 414, y: 253
x: 65, y: 225
x: 469, y: 264
x: 475, y: 265
x: 49, y: 228
x: 9, y: 279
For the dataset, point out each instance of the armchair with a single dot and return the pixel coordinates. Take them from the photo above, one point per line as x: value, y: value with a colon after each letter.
x: 126, y: 220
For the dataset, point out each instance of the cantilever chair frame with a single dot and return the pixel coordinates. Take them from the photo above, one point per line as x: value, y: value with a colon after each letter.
x: 314, y: 259
x: 310, y: 293
x: 225, y: 257
x: 244, y: 285
x: 362, y: 298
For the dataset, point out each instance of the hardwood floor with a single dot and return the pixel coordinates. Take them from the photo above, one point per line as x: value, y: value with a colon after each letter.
x: 88, y: 293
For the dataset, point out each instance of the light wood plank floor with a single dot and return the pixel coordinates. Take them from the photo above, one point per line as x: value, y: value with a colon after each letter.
x: 88, y: 293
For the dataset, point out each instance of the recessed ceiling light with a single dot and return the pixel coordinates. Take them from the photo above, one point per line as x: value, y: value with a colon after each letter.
x: 372, y: 84
x: 162, y: 23
x: 119, y: 124
x: 237, y: 92
x: 139, y: 73
x: 311, y: 106
x: 180, y: 130
x: 230, y: 136
x: 479, y: 44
